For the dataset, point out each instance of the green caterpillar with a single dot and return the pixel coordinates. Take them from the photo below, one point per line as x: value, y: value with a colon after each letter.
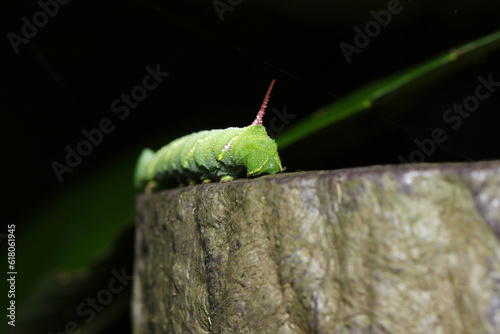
x: 215, y: 155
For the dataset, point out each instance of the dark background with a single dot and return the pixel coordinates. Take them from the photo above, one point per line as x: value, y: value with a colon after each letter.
x: 65, y: 79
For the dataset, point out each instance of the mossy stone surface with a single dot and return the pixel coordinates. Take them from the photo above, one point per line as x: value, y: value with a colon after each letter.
x: 382, y: 249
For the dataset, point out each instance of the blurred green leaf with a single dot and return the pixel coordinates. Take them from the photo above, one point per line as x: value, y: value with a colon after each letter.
x: 363, y: 98
x: 76, y: 227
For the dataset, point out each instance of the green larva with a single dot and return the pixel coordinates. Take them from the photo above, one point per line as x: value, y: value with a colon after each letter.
x: 215, y: 155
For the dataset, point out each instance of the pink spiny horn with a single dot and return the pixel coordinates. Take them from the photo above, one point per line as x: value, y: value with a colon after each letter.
x: 260, y: 115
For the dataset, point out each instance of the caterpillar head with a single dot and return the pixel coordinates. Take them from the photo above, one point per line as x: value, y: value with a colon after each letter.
x: 263, y: 157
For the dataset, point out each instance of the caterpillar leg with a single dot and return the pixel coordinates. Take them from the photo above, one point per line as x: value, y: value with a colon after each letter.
x: 226, y: 178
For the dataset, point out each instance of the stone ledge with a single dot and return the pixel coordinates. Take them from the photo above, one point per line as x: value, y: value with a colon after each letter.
x: 382, y: 249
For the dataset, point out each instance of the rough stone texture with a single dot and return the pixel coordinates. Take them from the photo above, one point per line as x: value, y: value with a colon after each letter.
x: 383, y: 249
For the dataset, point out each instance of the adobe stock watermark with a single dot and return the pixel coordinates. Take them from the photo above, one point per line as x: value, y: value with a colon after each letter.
x: 30, y: 28
x: 120, y: 106
x: 372, y: 29
x: 225, y: 6
x: 280, y: 120
x: 93, y: 305
x: 11, y: 274
x: 454, y: 117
